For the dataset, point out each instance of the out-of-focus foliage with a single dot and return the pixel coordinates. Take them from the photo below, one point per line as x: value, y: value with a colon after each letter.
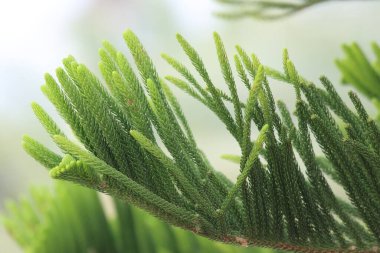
x: 362, y: 72
x: 266, y: 9
x: 72, y: 219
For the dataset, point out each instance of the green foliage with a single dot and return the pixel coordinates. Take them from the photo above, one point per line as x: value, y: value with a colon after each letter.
x: 273, y: 203
x: 266, y: 9
x: 361, y: 72
x: 72, y: 219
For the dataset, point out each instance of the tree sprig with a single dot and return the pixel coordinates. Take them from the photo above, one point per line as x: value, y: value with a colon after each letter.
x: 273, y: 203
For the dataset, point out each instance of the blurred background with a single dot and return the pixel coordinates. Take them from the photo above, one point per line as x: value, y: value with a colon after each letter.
x: 36, y: 35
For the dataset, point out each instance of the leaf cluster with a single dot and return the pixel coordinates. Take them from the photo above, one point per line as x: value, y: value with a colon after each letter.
x: 273, y: 203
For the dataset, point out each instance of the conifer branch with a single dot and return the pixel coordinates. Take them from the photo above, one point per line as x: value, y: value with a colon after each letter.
x: 273, y: 203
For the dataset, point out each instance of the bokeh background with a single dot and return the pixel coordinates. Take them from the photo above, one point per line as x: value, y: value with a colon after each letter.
x: 36, y: 35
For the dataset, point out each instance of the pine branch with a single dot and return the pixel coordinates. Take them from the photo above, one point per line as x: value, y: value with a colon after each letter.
x: 273, y: 203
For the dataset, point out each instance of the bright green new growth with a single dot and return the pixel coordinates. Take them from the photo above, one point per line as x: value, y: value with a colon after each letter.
x: 71, y: 219
x: 272, y: 204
